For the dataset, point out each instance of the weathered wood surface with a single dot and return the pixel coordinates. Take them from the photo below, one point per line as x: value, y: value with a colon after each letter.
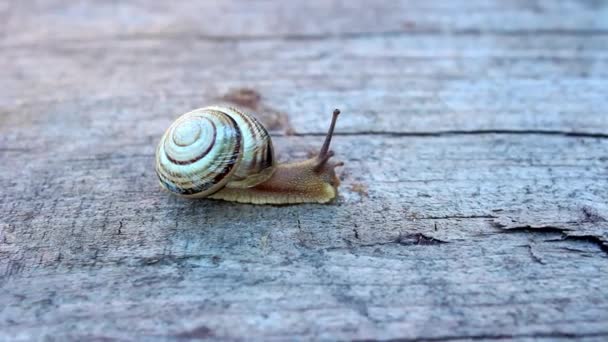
x: 474, y: 202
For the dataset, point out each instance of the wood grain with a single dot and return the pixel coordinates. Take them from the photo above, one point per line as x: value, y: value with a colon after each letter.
x: 473, y: 203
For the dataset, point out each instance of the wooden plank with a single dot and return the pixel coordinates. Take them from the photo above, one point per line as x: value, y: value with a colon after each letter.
x: 473, y: 203
x: 511, y: 176
x: 373, y: 263
x: 35, y: 21
x: 416, y: 84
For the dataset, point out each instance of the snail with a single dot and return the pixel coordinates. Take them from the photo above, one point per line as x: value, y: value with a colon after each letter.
x: 222, y: 153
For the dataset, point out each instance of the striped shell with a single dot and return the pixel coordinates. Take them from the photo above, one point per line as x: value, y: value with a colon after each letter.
x: 212, y: 147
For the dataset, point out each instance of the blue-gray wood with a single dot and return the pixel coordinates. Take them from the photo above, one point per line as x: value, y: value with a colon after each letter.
x: 474, y: 196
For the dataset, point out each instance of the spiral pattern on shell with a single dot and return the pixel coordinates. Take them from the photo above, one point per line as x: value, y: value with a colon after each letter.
x: 209, y: 148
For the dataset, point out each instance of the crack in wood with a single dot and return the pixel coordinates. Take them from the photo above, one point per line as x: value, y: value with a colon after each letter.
x: 565, y: 233
x: 534, y: 256
x: 168, y: 259
x: 591, y: 215
x: 401, y: 240
x: 465, y: 132
x: 449, y: 217
x: 556, y: 334
x: 356, y: 232
x: 218, y: 38
x: 201, y: 332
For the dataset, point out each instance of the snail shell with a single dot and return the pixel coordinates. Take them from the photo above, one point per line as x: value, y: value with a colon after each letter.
x: 211, y: 148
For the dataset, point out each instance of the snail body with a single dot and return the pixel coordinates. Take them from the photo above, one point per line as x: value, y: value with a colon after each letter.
x: 223, y: 153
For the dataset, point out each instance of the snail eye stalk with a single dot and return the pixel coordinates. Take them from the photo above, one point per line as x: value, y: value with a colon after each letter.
x: 325, y: 154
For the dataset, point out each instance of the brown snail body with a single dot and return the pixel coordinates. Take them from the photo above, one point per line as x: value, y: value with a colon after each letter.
x: 223, y: 153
